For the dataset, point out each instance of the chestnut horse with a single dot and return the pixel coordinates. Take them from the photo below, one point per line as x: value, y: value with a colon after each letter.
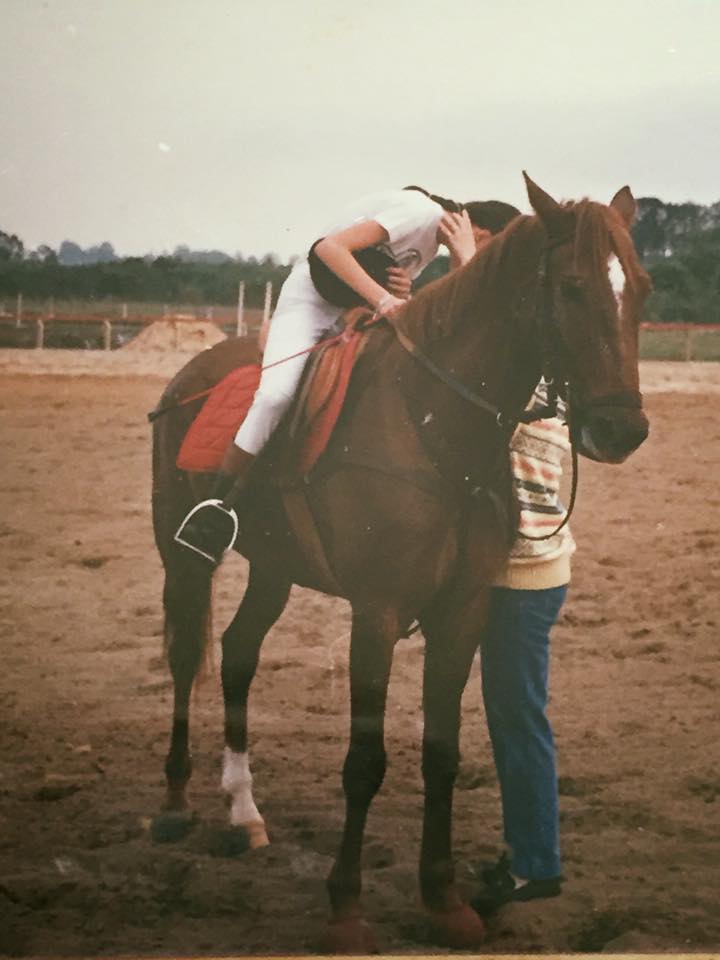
x: 412, y: 503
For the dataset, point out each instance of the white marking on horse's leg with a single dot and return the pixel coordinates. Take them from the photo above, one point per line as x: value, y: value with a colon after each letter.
x: 237, y: 783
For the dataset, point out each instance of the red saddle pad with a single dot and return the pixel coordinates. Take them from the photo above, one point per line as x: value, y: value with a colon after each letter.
x: 228, y: 403
x: 216, y: 424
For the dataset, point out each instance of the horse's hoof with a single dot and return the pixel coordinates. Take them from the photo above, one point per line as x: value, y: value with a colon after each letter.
x: 236, y: 841
x: 256, y: 834
x: 171, y: 826
x: 459, y: 928
x: 351, y: 936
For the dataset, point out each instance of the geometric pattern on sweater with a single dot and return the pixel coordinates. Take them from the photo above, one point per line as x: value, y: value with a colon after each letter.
x: 537, y: 450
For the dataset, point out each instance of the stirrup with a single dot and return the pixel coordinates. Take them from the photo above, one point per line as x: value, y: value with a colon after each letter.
x: 225, y: 511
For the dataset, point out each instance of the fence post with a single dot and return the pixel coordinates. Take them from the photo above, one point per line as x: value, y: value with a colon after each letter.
x: 124, y: 311
x: 107, y: 334
x: 19, y: 310
x: 40, y: 334
x: 688, y: 344
x: 51, y: 309
x: 241, y: 329
x: 268, y: 301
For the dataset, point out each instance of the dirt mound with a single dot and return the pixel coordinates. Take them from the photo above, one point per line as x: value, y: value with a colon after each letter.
x: 177, y: 333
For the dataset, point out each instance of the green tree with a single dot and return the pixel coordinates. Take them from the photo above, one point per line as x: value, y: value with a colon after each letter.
x: 11, y: 247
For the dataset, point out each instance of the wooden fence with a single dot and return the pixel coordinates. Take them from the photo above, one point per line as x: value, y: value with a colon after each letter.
x: 680, y: 341
x: 93, y: 325
x: 105, y: 325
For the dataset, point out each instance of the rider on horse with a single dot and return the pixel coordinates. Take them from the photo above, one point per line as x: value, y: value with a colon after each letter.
x: 370, y: 255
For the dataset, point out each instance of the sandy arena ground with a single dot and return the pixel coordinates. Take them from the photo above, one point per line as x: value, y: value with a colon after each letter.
x: 85, y: 705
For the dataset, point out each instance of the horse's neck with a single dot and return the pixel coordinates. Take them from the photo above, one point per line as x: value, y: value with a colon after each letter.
x: 479, y: 323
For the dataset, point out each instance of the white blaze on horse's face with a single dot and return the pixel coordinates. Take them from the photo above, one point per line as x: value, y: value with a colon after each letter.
x: 237, y: 783
x: 616, y: 275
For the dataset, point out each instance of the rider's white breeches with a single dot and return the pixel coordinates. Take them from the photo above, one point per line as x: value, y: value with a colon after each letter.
x: 300, y: 319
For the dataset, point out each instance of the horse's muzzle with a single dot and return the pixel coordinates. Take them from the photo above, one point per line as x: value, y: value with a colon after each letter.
x: 610, y: 434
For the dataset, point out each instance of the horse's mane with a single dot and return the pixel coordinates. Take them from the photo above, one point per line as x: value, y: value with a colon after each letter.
x: 439, y: 308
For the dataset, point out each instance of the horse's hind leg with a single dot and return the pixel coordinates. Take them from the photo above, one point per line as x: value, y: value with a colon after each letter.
x: 187, y: 602
x: 264, y: 601
x: 450, y: 647
x: 371, y: 651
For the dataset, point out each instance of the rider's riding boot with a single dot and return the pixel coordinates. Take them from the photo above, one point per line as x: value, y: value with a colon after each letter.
x: 211, y: 526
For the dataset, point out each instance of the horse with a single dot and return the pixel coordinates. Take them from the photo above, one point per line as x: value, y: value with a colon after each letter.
x: 411, y: 511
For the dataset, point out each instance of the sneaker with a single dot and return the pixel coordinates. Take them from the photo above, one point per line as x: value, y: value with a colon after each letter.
x: 502, y: 887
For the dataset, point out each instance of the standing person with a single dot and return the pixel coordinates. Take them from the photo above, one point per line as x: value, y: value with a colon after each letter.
x: 514, y: 652
x: 407, y: 226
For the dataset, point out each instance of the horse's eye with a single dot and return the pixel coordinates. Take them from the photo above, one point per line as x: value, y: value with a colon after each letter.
x: 572, y: 287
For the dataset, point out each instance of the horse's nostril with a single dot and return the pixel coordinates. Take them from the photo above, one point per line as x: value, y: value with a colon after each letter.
x: 619, y: 434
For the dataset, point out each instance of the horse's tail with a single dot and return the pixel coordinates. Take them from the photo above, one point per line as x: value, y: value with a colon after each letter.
x: 188, y: 624
x: 187, y: 595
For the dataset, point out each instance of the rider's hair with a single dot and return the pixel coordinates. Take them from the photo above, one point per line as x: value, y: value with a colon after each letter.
x: 492, y: 215
x: 450, y: 205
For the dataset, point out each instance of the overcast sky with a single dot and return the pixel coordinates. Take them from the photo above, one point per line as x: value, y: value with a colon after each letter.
x: 244, y: 124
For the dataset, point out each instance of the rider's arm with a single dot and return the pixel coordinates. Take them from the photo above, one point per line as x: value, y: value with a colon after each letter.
x: 336, y: 251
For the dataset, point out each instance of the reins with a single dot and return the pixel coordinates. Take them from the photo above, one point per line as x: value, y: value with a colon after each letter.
x: 502, y: 419
x: 447, y: 378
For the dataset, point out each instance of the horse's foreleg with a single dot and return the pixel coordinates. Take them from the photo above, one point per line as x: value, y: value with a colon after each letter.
x: 264, y: 601
x: 371, y: 650
x: 447, y: 664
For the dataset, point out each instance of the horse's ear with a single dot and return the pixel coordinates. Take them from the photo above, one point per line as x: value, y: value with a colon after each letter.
x: 550, y: 213
x: 624, y: 203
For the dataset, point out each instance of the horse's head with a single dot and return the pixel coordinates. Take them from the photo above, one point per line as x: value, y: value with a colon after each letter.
x: 594, y: 290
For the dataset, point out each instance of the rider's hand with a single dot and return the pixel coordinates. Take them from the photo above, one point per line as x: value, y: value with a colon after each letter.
x: 399, y: 282
x: 389, y: 306
x: 456, y: 233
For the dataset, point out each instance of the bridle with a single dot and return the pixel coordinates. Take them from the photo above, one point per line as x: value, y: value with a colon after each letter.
x: 544, y: 322
x: 557, y: 383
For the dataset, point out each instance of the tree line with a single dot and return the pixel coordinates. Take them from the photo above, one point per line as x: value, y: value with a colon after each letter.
x: 680, y: 247
x: 678, y: 243
x: 182, y: 277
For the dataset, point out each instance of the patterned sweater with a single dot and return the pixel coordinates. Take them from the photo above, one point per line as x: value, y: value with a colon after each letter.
x: 536, y: 451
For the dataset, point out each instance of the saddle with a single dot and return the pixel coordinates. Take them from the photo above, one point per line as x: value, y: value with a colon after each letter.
x: 313, y: 416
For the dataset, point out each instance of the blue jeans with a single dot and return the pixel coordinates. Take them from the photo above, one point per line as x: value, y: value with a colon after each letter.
x: 515, y: 654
